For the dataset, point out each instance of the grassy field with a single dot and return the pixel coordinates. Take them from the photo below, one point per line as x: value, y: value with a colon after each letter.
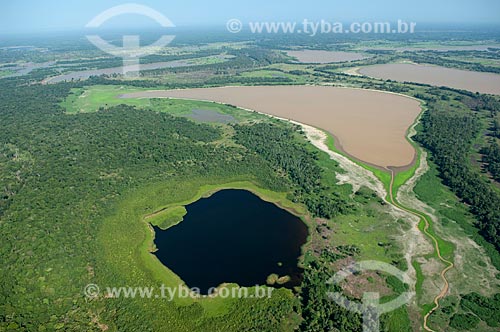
x: 472, y: 59
x: 209, y: 60
x: 420, y: 44
x: 270, y: 73
x: 167, y: 217
x: 6, y: 72
x: 90, y: 99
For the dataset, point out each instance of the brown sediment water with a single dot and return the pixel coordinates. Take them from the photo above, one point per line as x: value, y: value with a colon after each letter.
x: 370, y: 126
x: 314, y: 56
x: 435, y: 75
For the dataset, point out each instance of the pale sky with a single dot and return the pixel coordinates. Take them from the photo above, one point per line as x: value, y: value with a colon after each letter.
x: 56, y: 15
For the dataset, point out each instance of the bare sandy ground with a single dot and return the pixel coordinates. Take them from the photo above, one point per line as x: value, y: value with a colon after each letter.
x: 370, y: 126
x: 473, y: 270
x: 413, y: 241
x: 313, y: 56
x: 353, y: 71
x: 355, y: 175
x: 435, y: 75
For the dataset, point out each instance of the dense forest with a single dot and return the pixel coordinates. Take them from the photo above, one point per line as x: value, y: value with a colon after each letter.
x: 278, y: 146
x: 491, y: 158
x: 443, y: 59
x: 63, y: 172
x: 319, y: 312
x: 496, y: 128
x: 249, y: 57
x: 450, y: 137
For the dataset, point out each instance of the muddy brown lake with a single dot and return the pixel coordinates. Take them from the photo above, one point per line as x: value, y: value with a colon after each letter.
x: 314, y: 56
x: 368, y: 125
x: 435, y: 75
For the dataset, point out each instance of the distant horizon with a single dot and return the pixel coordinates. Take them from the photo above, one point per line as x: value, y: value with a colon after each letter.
x: 30, y: 16
x: 214, y: 27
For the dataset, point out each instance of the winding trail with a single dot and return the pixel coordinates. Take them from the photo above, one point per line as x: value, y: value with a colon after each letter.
x: 449, y: 265
x: 356, y: 173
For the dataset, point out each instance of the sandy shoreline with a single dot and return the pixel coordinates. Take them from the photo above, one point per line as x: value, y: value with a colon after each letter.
x: 370, y: 126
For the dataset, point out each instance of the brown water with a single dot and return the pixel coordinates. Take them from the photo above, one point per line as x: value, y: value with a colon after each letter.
x: 312, y: 56
x: 443, y: 48
x: 85, y: 74
x: 211, y: 117
x: 435, y: 75
x: 369, y: 125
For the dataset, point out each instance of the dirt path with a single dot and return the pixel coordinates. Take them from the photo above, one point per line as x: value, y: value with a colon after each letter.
x: 357, y: 177
x: 449, y: 265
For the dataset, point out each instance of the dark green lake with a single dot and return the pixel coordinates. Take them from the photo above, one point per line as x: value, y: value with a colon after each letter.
x: 233, y: 237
